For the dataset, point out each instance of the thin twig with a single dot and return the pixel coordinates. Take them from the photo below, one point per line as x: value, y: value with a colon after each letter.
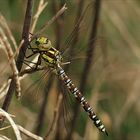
x: 28, y: 133
x: 43, y: 28
x: 59, y: 23
x: 41, y: 7
x: 4, y: 88
x: 55, y: 118
x: 5, y: 43
x: 25, y: 36
x: 4, y: 137
x: 6, y: 127
x: 5, y: 25
x: 15, y: 53
x: 18, y: 49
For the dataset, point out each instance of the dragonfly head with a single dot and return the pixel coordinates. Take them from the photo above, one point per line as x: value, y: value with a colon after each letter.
x: 43, y: 43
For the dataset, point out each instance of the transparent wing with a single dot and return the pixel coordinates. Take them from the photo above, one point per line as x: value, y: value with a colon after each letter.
x: 66, y: 113
x: 74, y: 49
x: 33, y: 88
x: 80, y: 31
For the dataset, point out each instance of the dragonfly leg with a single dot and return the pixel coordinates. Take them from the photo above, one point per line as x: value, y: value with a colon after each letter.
x: 29, y: 61
x: 30, y: 55
x: 28, y: 65
x: 35, y: 63
x: 38, y: 62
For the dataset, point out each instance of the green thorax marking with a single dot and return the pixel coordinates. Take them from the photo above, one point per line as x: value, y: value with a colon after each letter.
x: 48, y: 53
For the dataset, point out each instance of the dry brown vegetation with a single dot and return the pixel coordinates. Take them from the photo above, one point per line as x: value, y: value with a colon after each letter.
x: 107, y: 74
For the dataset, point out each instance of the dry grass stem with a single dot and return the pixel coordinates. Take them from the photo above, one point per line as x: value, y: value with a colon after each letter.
x: 6, y: 127
x: 17, y: 51
x: 10, y: 35
x: 28, y: 133
x: 5, y: 43
x: 55, y: 118
x: 41, y: 7
x: 15, y: 54
x: 4, y: 138
x: 43, y: 28
x: 4, y: 89
x: 18, y: 48
x: 14, y: 126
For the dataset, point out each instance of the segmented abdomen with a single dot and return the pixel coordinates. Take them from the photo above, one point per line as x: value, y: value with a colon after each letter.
x: 74, y: 90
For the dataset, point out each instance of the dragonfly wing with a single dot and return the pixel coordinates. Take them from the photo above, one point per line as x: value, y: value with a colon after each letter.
x: 32, y: 88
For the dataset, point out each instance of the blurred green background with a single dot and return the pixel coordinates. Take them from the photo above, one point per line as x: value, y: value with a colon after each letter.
x: 113, y: 87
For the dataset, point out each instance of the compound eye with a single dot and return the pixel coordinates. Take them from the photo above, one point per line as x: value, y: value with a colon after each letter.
x: 47, y: 40
x: 37, y: 42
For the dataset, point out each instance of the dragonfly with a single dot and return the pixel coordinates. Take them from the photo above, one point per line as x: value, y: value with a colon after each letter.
x: 54, y: 61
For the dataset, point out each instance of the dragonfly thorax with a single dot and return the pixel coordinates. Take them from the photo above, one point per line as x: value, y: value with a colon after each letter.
x: 52, y: 57
x: 48, y: 53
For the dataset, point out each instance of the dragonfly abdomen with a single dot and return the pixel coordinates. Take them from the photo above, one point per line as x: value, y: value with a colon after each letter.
x: 75, y: 91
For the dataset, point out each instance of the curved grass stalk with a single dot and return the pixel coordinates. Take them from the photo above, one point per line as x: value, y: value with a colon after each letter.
x: 11, y: 121
x: 4, y: 41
